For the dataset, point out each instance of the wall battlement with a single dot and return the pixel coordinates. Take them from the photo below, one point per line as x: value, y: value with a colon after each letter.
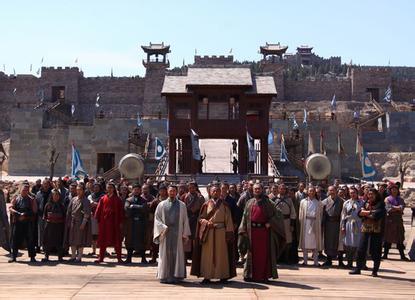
x: 213, y: 60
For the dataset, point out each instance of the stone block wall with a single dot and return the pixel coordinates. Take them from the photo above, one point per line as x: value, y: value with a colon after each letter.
x: 201, y: 61
x: 317, y: 90
x: 369, y: 77
x: 403, y: 89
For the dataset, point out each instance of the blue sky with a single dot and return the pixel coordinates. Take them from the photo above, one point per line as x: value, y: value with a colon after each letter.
x: 104, y: 34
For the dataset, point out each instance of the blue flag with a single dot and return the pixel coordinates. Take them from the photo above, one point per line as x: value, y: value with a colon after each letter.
x: 77, y: 167
x: 368, y: 171
x: 270, y: 137
x: 195, y: 144
x: 139, y: 122
x: 388, y: 95
x: 160, y: 149
x: 283, y: 153
x: 333, y: 102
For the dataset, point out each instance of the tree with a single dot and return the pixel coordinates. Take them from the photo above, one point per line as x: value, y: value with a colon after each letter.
x: 53, y: 155
x: 402, y: 161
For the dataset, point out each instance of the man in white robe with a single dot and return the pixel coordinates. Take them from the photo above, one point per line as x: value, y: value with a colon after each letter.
x: 310, y: 214
x: 171, y: 229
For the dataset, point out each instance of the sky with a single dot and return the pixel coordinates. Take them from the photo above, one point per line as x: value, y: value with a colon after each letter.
x: 107, y: 34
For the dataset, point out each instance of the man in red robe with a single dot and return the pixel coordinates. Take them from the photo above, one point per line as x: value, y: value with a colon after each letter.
x: 109, y: 214
x: 262, y: 237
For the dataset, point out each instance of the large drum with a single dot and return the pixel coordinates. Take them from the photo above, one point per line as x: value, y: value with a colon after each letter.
x: 131, y: 166
x: 318, y: 166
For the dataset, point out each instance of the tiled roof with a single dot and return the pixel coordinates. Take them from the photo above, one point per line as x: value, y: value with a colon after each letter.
x: 219, y: 77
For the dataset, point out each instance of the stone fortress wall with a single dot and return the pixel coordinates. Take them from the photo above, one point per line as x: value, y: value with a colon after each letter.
x: 121, y: 98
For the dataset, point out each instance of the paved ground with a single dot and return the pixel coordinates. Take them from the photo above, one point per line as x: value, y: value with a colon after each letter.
x: 87, y: 280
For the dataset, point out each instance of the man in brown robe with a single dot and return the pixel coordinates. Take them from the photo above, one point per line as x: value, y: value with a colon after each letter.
x: 213, y: 255
x: 194, y: 201
x: 78, y: 226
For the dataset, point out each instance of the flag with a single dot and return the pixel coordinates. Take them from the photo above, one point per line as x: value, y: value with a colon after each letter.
x: 38, y: 72
x: 295, y: 124
x: 251, y: 148
x: 195, y: 145
x: 368, y: 171
x: 77, y: 167
x: 30, y: 68
x: 139, y: 122
x: 97, y: 100
x: 270, y: 137
x: 41, y: 61
x: 283, y: 152
x: 72, y: 109
x: 322, y: 148
x: 112, y: 72
x: 76, y: 61
x: 388, y: 95
x: 333, y: 103
x: 311, y: 149
x: 380, y: 125
x: 340, y: 148
x: 358, y: 146
x: 387, y: 120
x: 305, y: 118
x: 14, y: 72
x: 160, y: 149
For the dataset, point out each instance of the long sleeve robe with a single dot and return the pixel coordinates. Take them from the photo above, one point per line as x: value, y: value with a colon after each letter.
x: 310, y: 214
x: 110, y: 216
x: 169, y: 233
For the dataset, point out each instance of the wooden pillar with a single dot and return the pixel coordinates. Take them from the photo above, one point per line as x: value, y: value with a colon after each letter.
x: 264, y: 155
x: 172, y: 154
x: 243, y: 156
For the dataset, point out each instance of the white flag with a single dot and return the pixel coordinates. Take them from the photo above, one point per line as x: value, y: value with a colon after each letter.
x: 305, y: 117
x: 387, y: 120
x: 97, y: 100
x: 380, y: 127
x: 251, y: 148
x: 195, y: 145
x: 333, y: 103
x: 73, y: 109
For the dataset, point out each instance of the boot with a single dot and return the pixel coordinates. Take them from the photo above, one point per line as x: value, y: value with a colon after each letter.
x: 340, y: 258
x: 129, y: 257
x: 328, y: 262
x: 355, y: 272
x: 386, y: 248
x: 12, y: 259
x: 376, y: 265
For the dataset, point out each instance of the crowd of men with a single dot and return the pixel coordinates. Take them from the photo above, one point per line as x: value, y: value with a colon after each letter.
x: 236, y: 224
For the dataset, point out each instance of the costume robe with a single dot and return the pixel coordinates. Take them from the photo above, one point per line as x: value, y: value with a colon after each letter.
x: 22, y: 229
x: 54, y: 218
x: 42, y: 197
x: 213, y: 255
x: 310, y: 214
x: 286, y: 207
x: 152, y: 205
x: 94, y: 200
x: 136, y: 210
x: 351, y: 223
x: 263, y: 245
x: 332, y: 209
x: 171, y: 224
x: 110, y: 215
x: 78, y: 212
x: 4, y: 224
x: 193, y: 204
x: 394, y: 229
